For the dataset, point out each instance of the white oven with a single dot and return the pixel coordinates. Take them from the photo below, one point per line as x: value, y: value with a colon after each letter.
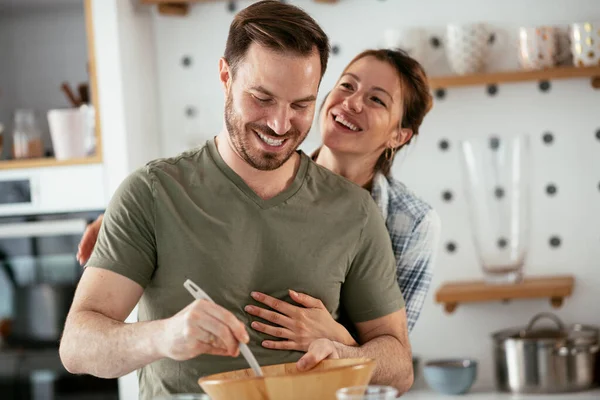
x: 52, y: 190
x: 43, y: 214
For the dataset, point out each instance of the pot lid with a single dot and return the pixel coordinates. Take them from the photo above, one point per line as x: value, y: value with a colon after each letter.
x: 539, y: 335
x: 577, y: 334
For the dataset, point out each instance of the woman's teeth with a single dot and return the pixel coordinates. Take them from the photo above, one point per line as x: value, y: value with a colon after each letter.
x: 347, y: 124
x: 269, y: 141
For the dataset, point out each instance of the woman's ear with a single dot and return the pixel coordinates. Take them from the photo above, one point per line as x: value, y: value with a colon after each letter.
x: 400, y: 137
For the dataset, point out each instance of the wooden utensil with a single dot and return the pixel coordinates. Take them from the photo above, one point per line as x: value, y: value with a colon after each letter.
x: 84, y: 95
x: 285, y: 382
x: 70, y: 96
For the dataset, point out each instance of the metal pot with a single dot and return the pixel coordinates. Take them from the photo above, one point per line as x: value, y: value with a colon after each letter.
x: 40, y: 312
x: 546, y: 360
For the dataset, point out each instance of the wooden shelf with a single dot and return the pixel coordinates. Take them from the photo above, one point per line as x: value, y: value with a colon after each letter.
x: 182, y: 7
x: 443, y: 82
x: 47, y: 162
x: 555, y: 288
x: 208, y: 1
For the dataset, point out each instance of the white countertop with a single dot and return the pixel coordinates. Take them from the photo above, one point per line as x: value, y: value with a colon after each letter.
x: 431, y: 395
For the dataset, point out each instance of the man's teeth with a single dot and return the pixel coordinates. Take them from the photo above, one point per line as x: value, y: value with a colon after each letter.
x: 348, y: 124
x: 269, y: 141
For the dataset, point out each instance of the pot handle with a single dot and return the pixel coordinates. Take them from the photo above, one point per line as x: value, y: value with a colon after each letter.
x: 548, y: 315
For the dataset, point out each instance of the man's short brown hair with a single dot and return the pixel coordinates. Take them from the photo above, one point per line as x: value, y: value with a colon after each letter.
x: 276, y: 26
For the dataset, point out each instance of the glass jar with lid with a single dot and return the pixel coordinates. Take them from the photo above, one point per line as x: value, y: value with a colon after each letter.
x: 27, y: 137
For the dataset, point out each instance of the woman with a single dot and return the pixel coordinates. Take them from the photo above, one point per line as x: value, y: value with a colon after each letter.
x: 375, y: 109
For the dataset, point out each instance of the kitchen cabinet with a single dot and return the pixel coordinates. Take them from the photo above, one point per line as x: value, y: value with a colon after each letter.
x: 113, y: 40
x: 46, y: 44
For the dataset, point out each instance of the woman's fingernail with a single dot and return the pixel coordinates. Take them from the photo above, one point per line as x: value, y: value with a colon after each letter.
x: 255, y: 295
x: 294, y: 293
x: 248, y: 308
x: 266, y: 343
x: 254, y: 325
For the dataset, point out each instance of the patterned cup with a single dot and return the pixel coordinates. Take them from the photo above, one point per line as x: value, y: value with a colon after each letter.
x: 468, y: 47
x: 563, y: 43
x: 585, y: 43
x: 538, y: 47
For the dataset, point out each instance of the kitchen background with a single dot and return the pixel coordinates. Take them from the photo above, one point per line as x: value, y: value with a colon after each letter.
x: 159, y: 94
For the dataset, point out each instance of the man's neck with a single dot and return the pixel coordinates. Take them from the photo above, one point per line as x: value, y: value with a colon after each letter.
x: 266, y: 184
x: 357, y: 170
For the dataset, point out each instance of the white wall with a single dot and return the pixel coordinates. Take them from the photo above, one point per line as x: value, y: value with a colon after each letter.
x: 40, y: 48
x: 569, y: 110
x: 128, y: 100
x: 138, y: 62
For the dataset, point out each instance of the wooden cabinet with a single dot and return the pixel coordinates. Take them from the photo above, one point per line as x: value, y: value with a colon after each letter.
x: 181, y: 7
x: 43, y: 44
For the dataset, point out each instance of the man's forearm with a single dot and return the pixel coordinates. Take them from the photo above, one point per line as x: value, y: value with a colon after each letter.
x: 97, y: 345
x: 394, y: 361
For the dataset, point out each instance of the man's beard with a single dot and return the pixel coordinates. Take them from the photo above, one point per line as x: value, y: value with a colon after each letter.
x: 241, y: 140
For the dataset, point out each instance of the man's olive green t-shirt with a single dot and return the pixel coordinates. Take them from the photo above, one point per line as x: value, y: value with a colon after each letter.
x: 193, y: 217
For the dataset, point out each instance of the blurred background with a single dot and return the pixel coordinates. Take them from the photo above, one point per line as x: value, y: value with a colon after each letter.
x: 509, y: 157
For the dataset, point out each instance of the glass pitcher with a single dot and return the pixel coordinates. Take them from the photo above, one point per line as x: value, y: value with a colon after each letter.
x: 497, y: 187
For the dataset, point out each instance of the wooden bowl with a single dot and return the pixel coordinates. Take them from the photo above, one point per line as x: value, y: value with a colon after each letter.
x: 285, y: 382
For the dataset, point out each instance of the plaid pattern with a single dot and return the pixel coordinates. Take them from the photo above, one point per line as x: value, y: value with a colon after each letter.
x: 414, y: 229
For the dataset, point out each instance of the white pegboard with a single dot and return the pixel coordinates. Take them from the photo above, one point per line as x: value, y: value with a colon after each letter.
x: 570, y: 111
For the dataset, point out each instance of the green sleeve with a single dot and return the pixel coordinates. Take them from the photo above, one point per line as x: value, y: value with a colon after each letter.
x: 126, y: 241
x: 370, y: 290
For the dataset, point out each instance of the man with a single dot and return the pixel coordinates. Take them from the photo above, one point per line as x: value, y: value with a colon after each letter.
x: 245, y: 212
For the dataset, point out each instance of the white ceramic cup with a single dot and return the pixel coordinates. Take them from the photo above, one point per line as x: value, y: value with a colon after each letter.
x: 468, y: 47
x: 411, y: 40
x: 70, y: 130
x: 585, y: 43
x: 415, y: 41
x: 538, y: 47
